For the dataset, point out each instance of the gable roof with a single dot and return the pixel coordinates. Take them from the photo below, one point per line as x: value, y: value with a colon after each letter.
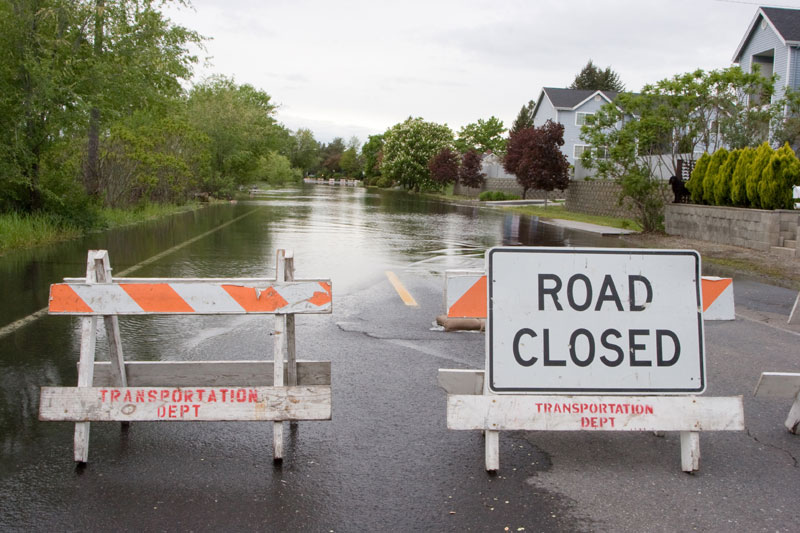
x: 570, y: 99
x: 784, y: 22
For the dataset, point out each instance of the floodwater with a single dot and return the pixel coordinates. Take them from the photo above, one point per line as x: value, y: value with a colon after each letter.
x: 349, y: 235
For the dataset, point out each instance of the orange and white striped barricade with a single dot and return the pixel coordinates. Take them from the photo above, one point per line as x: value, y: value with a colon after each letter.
x: 465, y: 296
x: 782, y: 385
x: 589, y: 339
x: 283, y: 389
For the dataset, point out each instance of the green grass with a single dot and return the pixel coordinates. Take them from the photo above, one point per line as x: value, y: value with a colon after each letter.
x: 25, y: 231
x: 558, y: 211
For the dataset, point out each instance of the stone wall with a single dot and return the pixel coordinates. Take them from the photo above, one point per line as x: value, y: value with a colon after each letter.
x: 598, y: 197
x: 751, y: 228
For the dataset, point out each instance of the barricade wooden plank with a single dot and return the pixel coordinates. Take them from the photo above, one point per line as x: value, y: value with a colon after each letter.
x: 778, y: 385
x: 136, y: 404
x: 209, y: 373
x: 218, y: 298
x: 594, y: 413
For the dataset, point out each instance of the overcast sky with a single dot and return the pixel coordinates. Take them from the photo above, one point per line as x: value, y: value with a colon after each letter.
x: 355, y: 68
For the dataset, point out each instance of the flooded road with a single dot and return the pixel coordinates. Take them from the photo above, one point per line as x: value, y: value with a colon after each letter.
x: 350, y: 235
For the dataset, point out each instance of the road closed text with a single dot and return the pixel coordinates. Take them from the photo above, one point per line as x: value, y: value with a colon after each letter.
x: 588, y: 320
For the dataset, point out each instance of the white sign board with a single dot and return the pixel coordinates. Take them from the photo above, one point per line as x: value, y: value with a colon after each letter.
x: 594, y: 320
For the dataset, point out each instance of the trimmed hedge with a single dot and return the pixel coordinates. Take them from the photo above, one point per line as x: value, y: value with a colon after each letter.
x: 496, y: 196
x: 760, y: 178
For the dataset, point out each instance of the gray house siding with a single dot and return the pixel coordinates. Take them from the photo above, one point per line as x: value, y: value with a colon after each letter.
x: 544, y: 112
x: 764, y: 40
x: 572, y: 132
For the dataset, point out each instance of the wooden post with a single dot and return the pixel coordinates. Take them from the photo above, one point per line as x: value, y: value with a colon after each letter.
x: 103, y: 272
x: 491, y: 440
x: 279, y: 340
x: 690, y: 451
x: 794, y: 316
x: 86, y: 366
x: 291, y: 352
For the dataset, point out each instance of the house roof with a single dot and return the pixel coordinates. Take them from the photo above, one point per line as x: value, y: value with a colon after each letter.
x: 569, y: 99
x: 784, y: 22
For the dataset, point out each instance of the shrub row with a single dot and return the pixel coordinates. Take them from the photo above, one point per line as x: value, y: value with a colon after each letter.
x: 496, y: 196
x: 760, y: 178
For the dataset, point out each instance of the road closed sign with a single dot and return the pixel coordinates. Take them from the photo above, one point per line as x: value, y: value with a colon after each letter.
x: 594, y: 320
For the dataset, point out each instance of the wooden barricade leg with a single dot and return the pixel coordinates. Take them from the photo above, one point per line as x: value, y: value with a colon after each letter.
x: 794, y: 316
x: 690, y: 451
x: 793, y: 420
x: 85, y: 378
x: 291, y: 352
x: 491, y: 441
x: 279, y: 343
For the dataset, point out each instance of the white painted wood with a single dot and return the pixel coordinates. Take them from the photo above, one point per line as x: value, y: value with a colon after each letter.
x: 279, y: 351
x: 86, y: 361
x: 209, y: 373
x: 793, y: 420
x: 778, y: 385
x: 203, y: 298
x: 594, y: 413
x: 794, y: 316
x: 458, y: 381
x: 103, y: 273
x: 492, y: 450
x: 690, y: 451
x: 291, y: 352
x: 107, y: 404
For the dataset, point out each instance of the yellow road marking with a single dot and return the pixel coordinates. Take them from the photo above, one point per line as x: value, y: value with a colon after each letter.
x: 401, y: 291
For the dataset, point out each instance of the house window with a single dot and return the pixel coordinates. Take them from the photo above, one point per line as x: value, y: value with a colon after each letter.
x: 580, y: 118
x: 600, y: 152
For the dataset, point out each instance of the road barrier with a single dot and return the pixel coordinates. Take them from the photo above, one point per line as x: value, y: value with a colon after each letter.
x: 782, y: 385
x: 604, y: 340
x: 794, y: 316
x: 465, y: 298
x: 284, y: 389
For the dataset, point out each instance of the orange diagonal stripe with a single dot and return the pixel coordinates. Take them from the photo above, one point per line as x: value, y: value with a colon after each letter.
x: 65, y: 300
x: 156, y: 297
x: 248, y: 297
x: 322, y: 298
x: 712, y: 288
x: 473, y: 303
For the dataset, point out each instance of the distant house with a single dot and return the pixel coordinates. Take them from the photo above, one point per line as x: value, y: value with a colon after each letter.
x: 772, y: 42
x: 570, y: 107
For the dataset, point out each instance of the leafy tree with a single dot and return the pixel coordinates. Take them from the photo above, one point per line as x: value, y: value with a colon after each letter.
x: 535, y: 158
x: 278, y: 170
x: 524, y: 118
x: 470, y: 174
x: 372, y: 152
x: 482, y: 136
x: 304, y: 151
x: 331, y: 155
x: 778, y: 178
x: 594, y: 78
x: 695, y: 183
x: 444, y: 166
x: 407, y: 148
x: 239, y: 121
x: 739, y: 180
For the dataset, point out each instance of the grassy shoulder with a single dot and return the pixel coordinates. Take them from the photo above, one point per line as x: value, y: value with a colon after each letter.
x: 27, y: 231
x: 558, y: 211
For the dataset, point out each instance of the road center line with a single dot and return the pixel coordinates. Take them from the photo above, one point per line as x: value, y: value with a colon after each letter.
x: 14, y: 326
x: 401, y: 291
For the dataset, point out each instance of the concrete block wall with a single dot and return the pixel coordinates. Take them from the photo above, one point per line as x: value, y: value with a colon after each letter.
x: 758, y: 229
x: 597, y: 197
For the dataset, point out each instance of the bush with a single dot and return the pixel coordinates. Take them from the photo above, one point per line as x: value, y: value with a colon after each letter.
x: 710, y: 180
x: 496, y: 196
x: 760, y: 161
x: 695, y: 183
x: 722, y: 183
x: 777, y: 179
x: 384, y: 182
x: 739, y: 180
